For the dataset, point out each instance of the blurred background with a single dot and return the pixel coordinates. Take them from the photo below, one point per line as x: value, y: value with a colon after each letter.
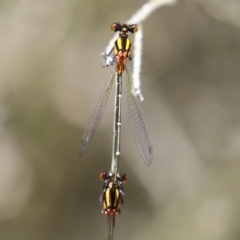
x: 51, y: 76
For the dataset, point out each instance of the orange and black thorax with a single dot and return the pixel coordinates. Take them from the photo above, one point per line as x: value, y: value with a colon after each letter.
x: 122, y: 52
x: 111, y: 201
x: 112, y: 193
x: 122, y: 45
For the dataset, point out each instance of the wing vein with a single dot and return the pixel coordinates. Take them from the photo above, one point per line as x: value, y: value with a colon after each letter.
x: 96, y: 116
x: 139, y: 128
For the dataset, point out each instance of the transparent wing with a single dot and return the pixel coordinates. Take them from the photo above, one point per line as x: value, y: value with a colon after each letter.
x: 138, y: 125
x: 96, y: 116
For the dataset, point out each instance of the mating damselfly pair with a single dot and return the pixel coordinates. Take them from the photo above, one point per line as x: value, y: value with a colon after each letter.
x: 112, y: 191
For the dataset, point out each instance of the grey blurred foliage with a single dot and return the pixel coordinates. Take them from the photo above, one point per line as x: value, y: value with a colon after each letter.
x: 50, y: 79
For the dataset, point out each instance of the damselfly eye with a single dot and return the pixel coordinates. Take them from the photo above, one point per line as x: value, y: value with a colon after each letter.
x: 122, y: 177
x: 103, y: 175
x: 115, y: 27
x: 132, y: 28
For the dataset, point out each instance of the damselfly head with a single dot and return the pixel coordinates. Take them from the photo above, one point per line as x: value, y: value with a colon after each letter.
x: 124, y: 28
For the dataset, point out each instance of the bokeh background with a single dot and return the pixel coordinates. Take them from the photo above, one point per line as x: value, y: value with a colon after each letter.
x: 51, y: 76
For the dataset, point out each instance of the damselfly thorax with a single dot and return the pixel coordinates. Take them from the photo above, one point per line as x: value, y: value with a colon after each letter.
x: 122, y: 45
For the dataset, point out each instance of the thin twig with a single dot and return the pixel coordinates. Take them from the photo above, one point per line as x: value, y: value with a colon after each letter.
x: 141, y: 15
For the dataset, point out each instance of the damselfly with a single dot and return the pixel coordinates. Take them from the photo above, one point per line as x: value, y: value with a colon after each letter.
x: 122, y: 53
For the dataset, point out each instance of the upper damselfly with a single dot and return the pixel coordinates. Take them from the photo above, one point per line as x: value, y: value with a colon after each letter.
x: 122, y: 53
